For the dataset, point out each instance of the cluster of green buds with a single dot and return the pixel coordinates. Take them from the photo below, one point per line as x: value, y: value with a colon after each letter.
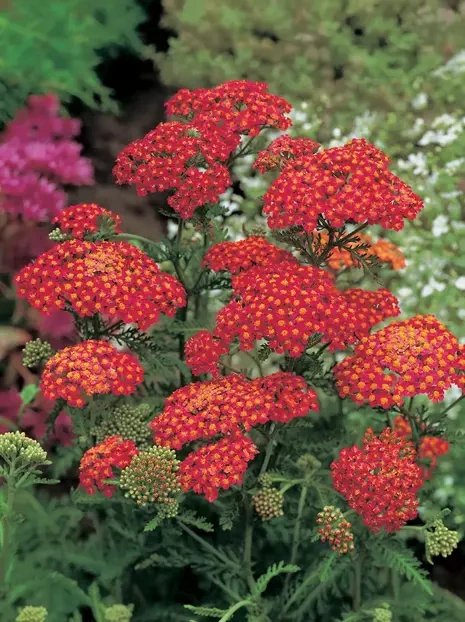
x: 36, y: 352
x: 130, y: 422
x: 20, y: 452
x: 118, y: 613
x: 382, y: 613
x: 32, y: 614
x: 335, y: 530
x: 440, y: 540
x: 268, y: 502
x: 308, y: 464
x: 152, y: 477
x: 57, y: 235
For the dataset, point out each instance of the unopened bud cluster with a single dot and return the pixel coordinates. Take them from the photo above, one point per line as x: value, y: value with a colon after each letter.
x: 382, y: 614
x: 335, y: 529
x: 32, y: 614
x: 152, y: 477
x: 24, y: 451
x: 268, y: 502
x: 440, y: 540
x: 308, y: 463
x: 118, y: 613
x: 36, y: 352
x: 130, y: 422
x: 57, y: 235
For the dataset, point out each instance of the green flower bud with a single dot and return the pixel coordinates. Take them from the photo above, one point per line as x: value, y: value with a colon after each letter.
x: 268, y: 503
x: 36, y: 352
x: 24, y: 451
x: 32, y: 614
x: 118, y: 613
x: 57, y: 235
x: 382, y: 613
x: 130, y: 422
x: 308, y: 463
x: 169, y: 509
x: 440, y: 540
x: 152, y: 477
x: 265, y: 481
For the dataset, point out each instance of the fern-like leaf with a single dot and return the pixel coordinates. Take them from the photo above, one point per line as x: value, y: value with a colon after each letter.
x: 273, y: 571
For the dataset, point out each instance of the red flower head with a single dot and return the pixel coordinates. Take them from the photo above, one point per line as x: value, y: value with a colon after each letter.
x: 345, y: 184
x: 205, y: 409
x: 287, y: 303
x: 283, y: 151
x: 180, y: 157
x: 431, y: 447
x: 404, y: 359
x: 203, y: 352
x: 383, y: 251
x: 459, y: 378
x: 380, y: 480
x: 240, y: 107
x: 98, y: 462
x: 234, y: 257
x: 84, y: 218
x: 114, y: 279
x: 217, y: 466
x: 290, y: 395
x: 88, y: 368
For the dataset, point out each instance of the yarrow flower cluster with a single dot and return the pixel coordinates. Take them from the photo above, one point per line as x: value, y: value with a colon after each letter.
x: 380, y: 481
x: 412, y: 357
x: 237, y: 107
x: 36, y: 351
x: 284, y: 150
x: 83, y: 219
x: 114, y: 279
x: 32, y: 614
x: 440, y: 540
x: 335, y: 529
x: 287, y: 303
x: 38, y: 155
x: 268, y: 503
x: 345, y: 184
x: 203, y: 352
x: 430, y: 447
x: 152, y: 477
x: 89, y: 368
x: 118, y: 613
x: 382, y: 250
x: 23, y: 451
x: 98, y: 462
x: 217, y: 466
x: 230, y: 404
x: 181, y: 157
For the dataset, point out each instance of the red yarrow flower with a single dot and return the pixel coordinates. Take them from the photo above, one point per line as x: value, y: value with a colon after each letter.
x: 239, y: 107
x: 86, y: 218
x: 89, y: 368
x: 412, y: 357
x: 380, y: 481
x: 114, y: 279
x: 344, y: 184
x: 430, y: 447
x: 283, y: 151
x: 234, y: 257
x: 98, y: 462
x: 203, y: 352
x: 230, y: 404
x: 217, y: 466
x: 182, y: 158
x: 382, y: 250
x: 287, y: 303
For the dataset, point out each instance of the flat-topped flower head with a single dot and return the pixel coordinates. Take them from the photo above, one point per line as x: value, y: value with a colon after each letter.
x: 90, y: 368
x: 182, y: 158
x: 98, y: 462
x: 344, y: 184
x: 239, y: 107
x: 383, y: 251
x: 380, y: 480
x: 217, y: 466
x: 203, y: 352
x: 412, y: 357
x: 283, y: 151
x: 23, y: 451
x: 114, y: 279
x: 287, y: 303
x: 84, y: 219
x: 289, y: 394
x: 234, y: 257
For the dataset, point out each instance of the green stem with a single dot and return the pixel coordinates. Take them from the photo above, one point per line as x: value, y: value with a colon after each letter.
x: 206, y: 545
x: 135, y: 238
x: 229, y: 614
x: 248, y: 536
x: 357, y: 589
x: 6, y: 533
x: 454, y: 403
x: 298, y: 524
x: 269, y: 450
